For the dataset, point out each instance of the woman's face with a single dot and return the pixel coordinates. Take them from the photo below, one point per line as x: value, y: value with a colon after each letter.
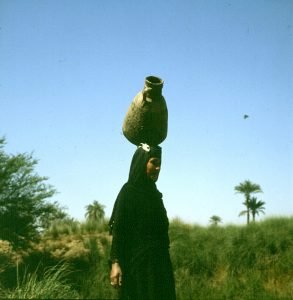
x: 153, y: 168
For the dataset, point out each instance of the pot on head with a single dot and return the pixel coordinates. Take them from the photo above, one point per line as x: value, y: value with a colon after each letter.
x: 146, y: 120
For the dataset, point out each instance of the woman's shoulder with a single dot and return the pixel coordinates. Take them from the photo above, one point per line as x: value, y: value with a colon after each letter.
x: 127, y: 191
x: 127, y: 188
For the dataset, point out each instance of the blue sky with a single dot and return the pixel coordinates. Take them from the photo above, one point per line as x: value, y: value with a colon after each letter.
x: 70, y: 69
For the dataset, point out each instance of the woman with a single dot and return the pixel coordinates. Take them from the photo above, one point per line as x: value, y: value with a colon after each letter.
x: 141, y: 264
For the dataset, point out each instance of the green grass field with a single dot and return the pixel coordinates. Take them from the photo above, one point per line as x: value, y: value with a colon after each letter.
x: 215, y: 262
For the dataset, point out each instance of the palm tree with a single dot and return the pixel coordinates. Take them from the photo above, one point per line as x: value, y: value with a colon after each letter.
x: 247, y: 188
x: 215, y: 220
x: 95, y: 212
x: 256, y: 207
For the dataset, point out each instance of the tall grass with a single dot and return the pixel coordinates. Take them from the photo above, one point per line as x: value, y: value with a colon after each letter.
x: 52, y: 285
x: 61, y: 227
x: 95, y: 283
x: 233, y: 262
x: 215, y: 262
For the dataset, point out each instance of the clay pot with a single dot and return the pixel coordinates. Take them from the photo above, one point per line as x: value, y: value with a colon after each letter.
x: 146, y: 120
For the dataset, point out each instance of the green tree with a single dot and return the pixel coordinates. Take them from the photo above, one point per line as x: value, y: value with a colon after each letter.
x: 256, y: 207
x: 23, y: 195
x: 247, y: 188
x: 95, y: 212
x: 215, y: 220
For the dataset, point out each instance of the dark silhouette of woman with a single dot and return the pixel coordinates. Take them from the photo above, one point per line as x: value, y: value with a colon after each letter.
x: 141, y: 266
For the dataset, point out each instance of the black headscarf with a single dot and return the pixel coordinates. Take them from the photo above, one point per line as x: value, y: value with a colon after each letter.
x: 137, y: 174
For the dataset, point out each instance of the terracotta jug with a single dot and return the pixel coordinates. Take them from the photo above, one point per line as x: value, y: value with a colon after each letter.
x: 146, y: 120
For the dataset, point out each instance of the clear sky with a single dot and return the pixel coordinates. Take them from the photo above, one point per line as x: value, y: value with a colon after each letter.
x: 70, y: 69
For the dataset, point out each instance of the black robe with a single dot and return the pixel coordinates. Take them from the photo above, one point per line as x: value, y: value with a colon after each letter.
x: 139, y: 226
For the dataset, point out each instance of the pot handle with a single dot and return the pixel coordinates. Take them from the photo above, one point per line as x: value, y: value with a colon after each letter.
x: 145, y: 92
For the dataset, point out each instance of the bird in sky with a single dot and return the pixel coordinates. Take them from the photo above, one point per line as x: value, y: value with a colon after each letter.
x: 245, y: 117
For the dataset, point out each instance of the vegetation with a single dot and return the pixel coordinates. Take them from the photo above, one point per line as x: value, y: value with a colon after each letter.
x: 247, y: 188
x: 223, y: 262
x: 234, y: 262
x: 24, y: 209
x: 95, y: 212
x: 52, y: 285
x: 256, y: 207
x: 215, y: 220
